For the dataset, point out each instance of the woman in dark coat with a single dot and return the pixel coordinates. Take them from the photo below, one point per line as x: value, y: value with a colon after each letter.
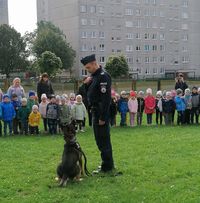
x: 180, y: 83
x: 44, y: 87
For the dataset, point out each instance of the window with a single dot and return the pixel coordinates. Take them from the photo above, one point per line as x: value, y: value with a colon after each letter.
x: 155, y: 71
x: 147, y: 71
x: 83, y: 21
x: 185, y: 3
x: 129, y: 60
x: 93, y: 22
x: 138, y: 12
x: 147, y: 12
x: 185, y: 37
x: 154, y: 36
x: 93, y: 34
x: 101, y: 22
x: 162, y: 36
x: 102, y: 47
x: 101, y: 34
x: 154, y: 47
x: 83, y: 34
x: 147, y: 59
x: 162, y: 14
x: 84, y: 47
x: 139, y: 24
x: 138, y: 36
x: 146, y: 36
x: 162, y: 59
x: 185, y: 15
x: 162, y: 70
x: 129, y: 12
x: 155, y: 59
x: 138, y: 48
x: 185, y: 59
x: 138, y: 60
x: 146, y: 47
x: 101, y: 9
x: 83, y: 9
x: 129, y: 36
x: 162, y: 47
x: 93, y: 48
x: 129, y: 48
x: 129, y: 24
x: 92, y: 9
x: 102, y: 59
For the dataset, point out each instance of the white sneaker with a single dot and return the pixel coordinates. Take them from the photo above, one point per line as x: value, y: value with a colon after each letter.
x: 82, y: 131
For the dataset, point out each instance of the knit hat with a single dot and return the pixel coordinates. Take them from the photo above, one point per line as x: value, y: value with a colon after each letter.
x: 14, y: 95
x: 72, y: 95
x: 6, y: 96
x: 132, y: 93
x: 44, y: 96
x: 35, y: 107
x: 24, y: 100
x: 113, y: 93
x: 187, y: 91
x: 31, y: 93
x: 159, y: 93
x: 52, y: 96
x: 123, y: 92
x: 140, y: 93
x: 179, y: 91
x: 194, y: 88
x: 168, y: 93
x: 58, y: 97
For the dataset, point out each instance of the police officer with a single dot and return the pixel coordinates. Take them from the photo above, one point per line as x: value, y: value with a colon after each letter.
x: 99, y: 98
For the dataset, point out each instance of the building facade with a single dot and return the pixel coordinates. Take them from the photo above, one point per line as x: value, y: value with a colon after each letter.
x: 3, y: 12
x: 158, y: 37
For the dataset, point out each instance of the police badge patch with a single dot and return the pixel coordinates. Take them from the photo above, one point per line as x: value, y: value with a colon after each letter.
x: 103, y: 89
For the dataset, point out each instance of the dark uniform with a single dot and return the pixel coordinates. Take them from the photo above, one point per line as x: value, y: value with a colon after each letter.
x: 99, y: 97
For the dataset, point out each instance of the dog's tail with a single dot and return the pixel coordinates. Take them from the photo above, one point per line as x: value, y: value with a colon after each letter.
x: 85, y: 163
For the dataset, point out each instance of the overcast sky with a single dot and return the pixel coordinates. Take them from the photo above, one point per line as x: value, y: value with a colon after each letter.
x: 22, y: 15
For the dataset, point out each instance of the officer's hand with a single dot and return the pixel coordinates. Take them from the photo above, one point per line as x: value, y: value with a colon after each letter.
x: 101, y: 122
x: 88, y: 80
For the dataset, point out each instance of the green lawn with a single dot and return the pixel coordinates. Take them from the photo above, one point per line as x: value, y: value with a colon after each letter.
x: 160, y: 164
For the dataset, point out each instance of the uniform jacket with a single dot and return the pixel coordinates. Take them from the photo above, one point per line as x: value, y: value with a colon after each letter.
x: 23, y: 113
x: 133, y: 105
x: 168, y: 105
x: 65, y: 115
x: 123, y: 105
x: 99, y: 93
x: 181, y: 85
x: 8, y: 111
x: 140, y: 105
x: 34, y: 119
x: 150, y: 104
x: 195, y: 100
x: 180, y: 103
x: 79, y: 111
x: 52, y: 111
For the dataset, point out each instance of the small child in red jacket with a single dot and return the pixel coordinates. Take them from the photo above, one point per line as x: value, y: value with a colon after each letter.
x: 150, y: 104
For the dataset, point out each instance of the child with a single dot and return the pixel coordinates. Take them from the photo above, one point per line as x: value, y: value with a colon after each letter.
x: 180, y: 107
x: 195, y: 105
x: 123, y: 108
x: 72, y: 100
x: 65, y: 116
x: 58, y: 100
x: 159, y: 107
x: 140, y: 111
x: 23, y: 115
x: 79, y: 112
x: 34, y: 120
x: 188, y: 103
x: 16, y: 104
x: 173, y: 95
x: 43, y: 110
x: 52, y: 115
x: 150, y: 104
x: 133, y: 107
x: 168, y: 107
x: 31, y: 100
x: 8, y: 114
x: 113, y: 109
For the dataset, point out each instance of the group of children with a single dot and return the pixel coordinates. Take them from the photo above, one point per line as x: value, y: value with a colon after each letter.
x: 23, y: 116
x: 165, y: 104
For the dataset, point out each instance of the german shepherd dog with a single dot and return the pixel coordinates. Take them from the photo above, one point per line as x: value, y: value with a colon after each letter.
x: 71, y: 166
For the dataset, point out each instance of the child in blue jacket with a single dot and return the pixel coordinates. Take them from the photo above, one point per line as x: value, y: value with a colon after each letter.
x: 1, y: 97
x: 123, y: 108
x: 8, y: 113
x: 180, y: 106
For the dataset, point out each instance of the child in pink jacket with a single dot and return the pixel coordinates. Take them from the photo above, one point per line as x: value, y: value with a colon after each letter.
x: 133, y: 107
x: 150, y: 104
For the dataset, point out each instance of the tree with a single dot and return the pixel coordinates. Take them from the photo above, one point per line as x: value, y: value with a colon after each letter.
x: 49, y: 63
x: 117, y: 66
x: 48, y: 37
x: 13, y: 55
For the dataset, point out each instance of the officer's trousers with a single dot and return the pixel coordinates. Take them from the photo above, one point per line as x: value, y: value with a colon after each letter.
x: 103, y: 141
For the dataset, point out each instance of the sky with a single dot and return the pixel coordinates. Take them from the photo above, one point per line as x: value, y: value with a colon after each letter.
x: 22, y: 15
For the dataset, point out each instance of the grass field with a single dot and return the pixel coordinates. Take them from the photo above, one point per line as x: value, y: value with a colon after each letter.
x: 159, y: 164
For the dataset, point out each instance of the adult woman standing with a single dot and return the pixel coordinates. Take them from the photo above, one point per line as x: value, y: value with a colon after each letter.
x: 17, y: 89
x: 44, y: 87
